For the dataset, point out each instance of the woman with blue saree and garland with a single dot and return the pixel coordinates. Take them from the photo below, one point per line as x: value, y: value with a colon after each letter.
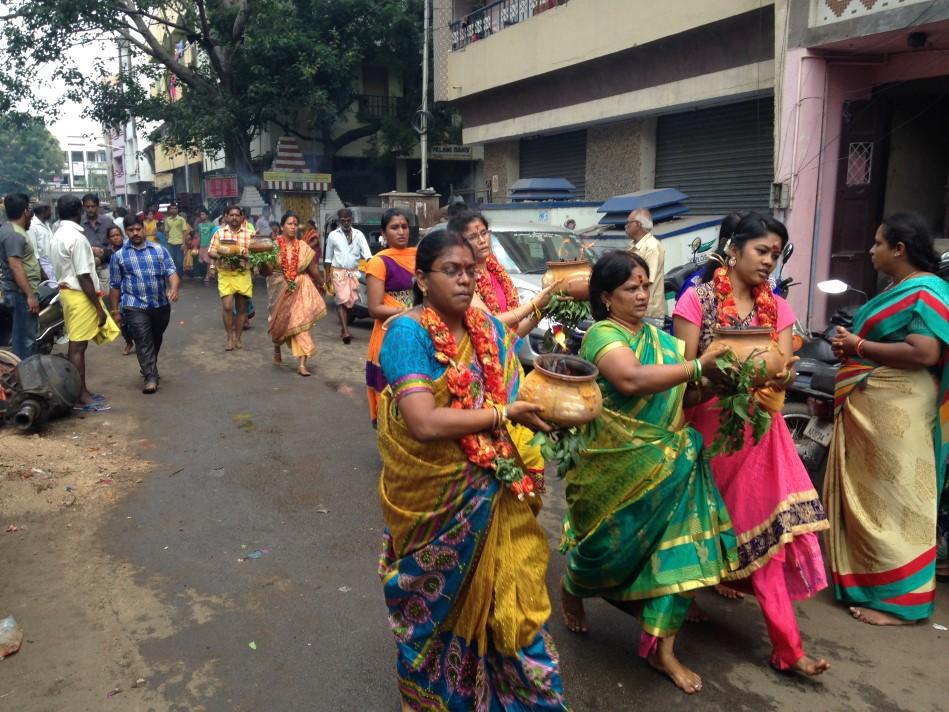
x: 464, y: 557
x: 888, y: 455
x: 646, y: 524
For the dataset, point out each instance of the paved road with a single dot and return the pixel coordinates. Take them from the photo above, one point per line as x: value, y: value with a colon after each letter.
x: 250, y: 456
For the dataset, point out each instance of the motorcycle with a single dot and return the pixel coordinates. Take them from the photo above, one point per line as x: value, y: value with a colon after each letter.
x: 52, y: 328
x: 809, y: 404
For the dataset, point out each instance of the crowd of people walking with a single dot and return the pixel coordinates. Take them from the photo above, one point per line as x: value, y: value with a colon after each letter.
x: 652, y: 515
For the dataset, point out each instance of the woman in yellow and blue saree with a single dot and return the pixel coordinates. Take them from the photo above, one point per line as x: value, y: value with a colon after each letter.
x: 464, y: 557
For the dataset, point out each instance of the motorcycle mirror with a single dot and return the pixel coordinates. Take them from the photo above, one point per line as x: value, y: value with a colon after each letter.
x: 787, y: 252
x: 696, y: 245
x: 833, y: 286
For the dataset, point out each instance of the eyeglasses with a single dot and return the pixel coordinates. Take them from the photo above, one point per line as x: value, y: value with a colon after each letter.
x: 475, y: 236
x: 455, y: 271
x: 630, y: 222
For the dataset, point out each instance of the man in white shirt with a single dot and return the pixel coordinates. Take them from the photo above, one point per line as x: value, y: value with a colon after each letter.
x: 84, y: 313
x: 645, y: 244
x: 262, y: 226
x: 41, y: 236
x: 345, y: 247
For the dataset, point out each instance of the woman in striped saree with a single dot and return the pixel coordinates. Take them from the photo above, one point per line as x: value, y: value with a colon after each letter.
x: 464, y: 557
x: 887, y: 460
x: 646, y: 524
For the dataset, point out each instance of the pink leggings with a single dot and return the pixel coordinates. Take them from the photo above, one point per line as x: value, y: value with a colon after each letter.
x: 771, y: 590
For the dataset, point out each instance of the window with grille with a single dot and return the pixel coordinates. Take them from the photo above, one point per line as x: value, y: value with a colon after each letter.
x: 859, y: 163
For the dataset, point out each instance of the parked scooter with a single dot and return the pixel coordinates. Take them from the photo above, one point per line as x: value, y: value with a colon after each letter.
x: 809, y: 403
x: 51, y: 329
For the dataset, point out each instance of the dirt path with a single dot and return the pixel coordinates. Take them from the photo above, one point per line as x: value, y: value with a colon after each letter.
x: 54, y: 490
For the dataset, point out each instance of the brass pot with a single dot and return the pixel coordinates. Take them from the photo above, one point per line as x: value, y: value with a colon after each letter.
x: 757, y: 341
x: 261, y: 244
x: 574, y: 277
x: 565, y: 388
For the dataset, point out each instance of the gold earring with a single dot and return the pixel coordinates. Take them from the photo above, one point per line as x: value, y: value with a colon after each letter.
x: 608, y: 307
x: 732, y: 262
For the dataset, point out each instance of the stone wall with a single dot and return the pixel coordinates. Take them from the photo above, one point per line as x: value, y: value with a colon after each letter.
x: 615, y: 158
x: 502, y: 159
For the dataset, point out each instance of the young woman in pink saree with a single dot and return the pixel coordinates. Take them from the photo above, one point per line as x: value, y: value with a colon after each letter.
x: 774, y: 507
x: 294, y: 300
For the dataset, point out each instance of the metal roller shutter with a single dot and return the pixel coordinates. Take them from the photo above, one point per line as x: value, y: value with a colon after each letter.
x: 558, y: 156
x: 721, y: 157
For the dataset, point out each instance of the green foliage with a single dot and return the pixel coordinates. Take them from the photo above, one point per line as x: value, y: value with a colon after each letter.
x: 737, y: 403
x: 289, y: 62
x: 569, y: 313
x: 258, y: 260
x: 564, y: 445
x: 29, y: 155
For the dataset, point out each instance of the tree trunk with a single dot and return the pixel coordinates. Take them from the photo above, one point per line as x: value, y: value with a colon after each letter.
x: 237, y: 158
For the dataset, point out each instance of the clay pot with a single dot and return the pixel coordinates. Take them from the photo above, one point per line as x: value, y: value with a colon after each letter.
x: 565, y: 387
x: 574, y: 277
x: 745, y: 342
x: 261, y: 244
x: 227, y: 248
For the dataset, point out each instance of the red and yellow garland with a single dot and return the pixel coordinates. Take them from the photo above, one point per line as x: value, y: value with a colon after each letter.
x: 489, y: 450
x: 486, y: 288
x: 728, y: 310
x: 289, y: 260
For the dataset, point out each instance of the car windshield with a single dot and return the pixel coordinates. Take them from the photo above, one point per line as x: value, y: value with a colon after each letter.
x: 602, y: 244
x: 529, y: 251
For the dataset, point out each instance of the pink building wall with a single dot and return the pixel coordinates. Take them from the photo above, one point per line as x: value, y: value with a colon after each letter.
x: 814, y: 90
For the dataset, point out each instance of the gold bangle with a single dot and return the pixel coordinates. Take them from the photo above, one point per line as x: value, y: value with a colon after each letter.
x: 537, y: 314
x: 688, y: 371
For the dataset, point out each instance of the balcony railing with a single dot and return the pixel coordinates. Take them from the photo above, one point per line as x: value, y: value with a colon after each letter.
x: 495, y: 17
x: 376, y: 107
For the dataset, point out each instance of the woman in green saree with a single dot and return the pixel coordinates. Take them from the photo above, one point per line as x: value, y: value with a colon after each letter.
x: 645, y: 522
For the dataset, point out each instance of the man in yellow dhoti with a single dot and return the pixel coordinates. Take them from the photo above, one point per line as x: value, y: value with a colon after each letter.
x: 84, y: 313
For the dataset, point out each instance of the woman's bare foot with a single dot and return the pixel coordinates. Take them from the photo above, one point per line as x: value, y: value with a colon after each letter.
x: 238, y: 345
x: 872, y: 617
x: 129, y: 347
x: 728, y: 592
x: 696, y: 614
x: 810, y: 667
x: 230, y: 344
x: 571, y: 608
x: 664, y: 660
x: 302, y: 370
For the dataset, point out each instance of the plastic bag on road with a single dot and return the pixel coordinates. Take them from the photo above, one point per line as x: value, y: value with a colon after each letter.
x: 10, y: 637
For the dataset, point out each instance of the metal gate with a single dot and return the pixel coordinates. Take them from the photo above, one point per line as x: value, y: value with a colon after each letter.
x: 558, y: 156
x: 721, y: 157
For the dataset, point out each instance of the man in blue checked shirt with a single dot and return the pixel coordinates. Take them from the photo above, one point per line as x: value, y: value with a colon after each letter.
x: 143, y: 282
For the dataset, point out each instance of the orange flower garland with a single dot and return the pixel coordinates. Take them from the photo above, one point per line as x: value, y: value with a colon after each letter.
x: 485, y: 449
x: 765, y: 302
x: 486, y: 288
x: 289, y: 261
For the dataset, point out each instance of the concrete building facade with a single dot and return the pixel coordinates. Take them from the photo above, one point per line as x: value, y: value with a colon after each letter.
x: 828, y: 113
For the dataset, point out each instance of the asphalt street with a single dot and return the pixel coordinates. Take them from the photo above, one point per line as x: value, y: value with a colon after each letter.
x: 250, y: 457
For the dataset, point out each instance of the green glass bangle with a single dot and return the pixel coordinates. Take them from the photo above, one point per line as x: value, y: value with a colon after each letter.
x: 698, y: 371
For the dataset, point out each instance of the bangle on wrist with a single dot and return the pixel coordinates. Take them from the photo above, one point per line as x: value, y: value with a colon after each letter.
x: 689, y: 371
x: 859, y: 348
x: 698, y: 370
